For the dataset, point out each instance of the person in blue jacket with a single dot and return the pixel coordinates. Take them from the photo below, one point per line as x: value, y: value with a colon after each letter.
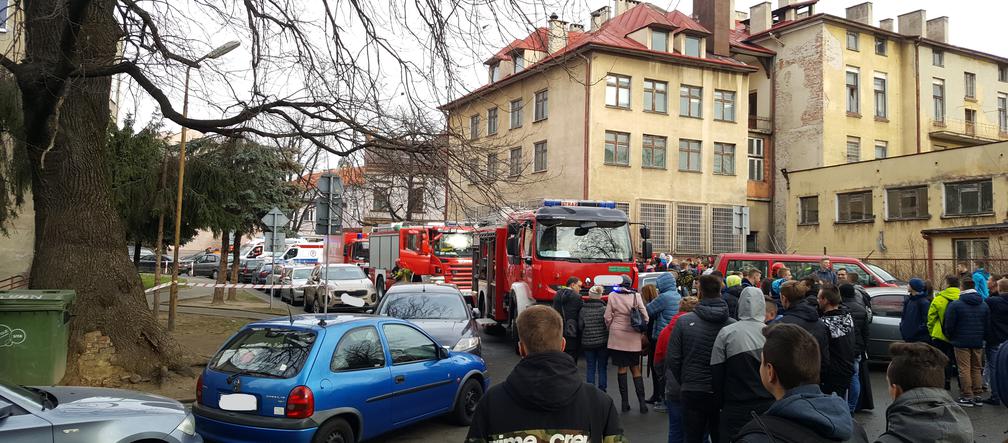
x: 980, y: 277
x: 966, y: 323
x: 662, y: 309
x: 913, y: 324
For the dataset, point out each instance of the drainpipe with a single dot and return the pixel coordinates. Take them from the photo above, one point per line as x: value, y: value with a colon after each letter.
x: 917, y: 89
x: 930, y: 258
x: 773, y: 147
x: 587, y: 114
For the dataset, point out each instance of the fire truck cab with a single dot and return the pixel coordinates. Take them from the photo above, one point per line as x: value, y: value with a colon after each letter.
x: 435, y: 252
x: 525, y: 260
x: 355, y: 248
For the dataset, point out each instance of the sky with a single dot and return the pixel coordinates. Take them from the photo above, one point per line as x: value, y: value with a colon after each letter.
x: 972, y: 24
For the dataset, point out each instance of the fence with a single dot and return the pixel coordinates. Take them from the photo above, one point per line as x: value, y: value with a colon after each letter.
x: 907, y: 268
x: 13, y: 282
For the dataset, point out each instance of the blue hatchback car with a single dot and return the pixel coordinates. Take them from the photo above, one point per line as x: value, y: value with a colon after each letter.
x: 332, y: 378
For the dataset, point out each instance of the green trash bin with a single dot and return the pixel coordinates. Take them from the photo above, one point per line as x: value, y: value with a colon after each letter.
x: 34, y: 325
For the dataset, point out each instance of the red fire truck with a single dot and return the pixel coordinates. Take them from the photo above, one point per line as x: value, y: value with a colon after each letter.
x: 527, y: 258
x: 355, y: 248
x: 435, y: 252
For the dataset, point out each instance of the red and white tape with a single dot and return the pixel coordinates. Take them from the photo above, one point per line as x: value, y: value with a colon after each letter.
x: 224, y: 285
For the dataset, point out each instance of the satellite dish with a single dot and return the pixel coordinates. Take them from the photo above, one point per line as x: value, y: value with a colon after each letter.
x: 350, y: 300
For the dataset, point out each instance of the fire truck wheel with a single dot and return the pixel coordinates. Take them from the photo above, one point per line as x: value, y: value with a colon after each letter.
x: 380, y: 286
x: 482, y: 306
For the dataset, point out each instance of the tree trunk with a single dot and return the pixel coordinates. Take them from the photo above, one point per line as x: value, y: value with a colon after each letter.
x: 76, y: 225
x: 232, y: 292
x: 218, y: 293
x: 136, y: 253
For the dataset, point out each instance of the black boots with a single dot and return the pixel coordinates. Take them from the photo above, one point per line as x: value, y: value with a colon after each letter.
x: 639, y: 387
x: 621, y: 378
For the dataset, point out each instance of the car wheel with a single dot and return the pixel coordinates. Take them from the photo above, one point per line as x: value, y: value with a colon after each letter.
x: 213, y: 275
x: 308, y: 307
x: 465, y: 405
x: 336, y: 430
x: 380, y: 286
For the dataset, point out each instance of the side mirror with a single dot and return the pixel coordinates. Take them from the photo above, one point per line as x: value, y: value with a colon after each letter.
x: 6, y: 409
x: 369, y: 311
x: 646, y: 249
x: 476, y: 312
x: 645, y: 233
x: 443, y: 352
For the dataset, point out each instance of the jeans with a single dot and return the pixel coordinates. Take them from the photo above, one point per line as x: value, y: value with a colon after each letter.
x: 700, y: 416
x: 854, y: 394
x: 596, y: 359
x: 675, y: 421
x: 989, y: 370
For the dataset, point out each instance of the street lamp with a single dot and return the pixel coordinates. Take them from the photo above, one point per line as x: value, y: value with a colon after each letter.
x: 173, y: 294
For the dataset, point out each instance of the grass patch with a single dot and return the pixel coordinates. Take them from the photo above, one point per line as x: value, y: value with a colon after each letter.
x: 148, y: 279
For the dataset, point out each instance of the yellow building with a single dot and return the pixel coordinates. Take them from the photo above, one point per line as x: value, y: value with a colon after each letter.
x: 848, y: 89
x: 646, y: 108
x: 917, y: 214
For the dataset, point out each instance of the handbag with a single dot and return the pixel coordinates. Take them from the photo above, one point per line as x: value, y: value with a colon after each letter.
x: 637, y: 317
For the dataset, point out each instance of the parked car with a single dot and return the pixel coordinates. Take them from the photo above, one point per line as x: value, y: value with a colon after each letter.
x: 274, y: 277
x: 802, y: 265
x: 343, y: 278
x: 263, y: 273
x: 887, y: 310
x: 146, y: 264
x: 248, y: 269
x: 69, y: 413
x: 204, y: 264
x: 296, y: 278
x: 438, y: 309
x: 273, y: 381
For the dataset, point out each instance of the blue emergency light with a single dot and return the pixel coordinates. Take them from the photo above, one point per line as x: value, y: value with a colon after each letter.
x: 585, y: 203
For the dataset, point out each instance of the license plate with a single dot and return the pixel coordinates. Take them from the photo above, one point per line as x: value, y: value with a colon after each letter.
x: 238, y: 402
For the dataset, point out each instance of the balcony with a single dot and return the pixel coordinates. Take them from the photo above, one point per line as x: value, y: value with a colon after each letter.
x: 963, y: 131
x: 760, y: 124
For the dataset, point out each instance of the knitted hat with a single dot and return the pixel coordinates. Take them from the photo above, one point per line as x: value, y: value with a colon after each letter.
x: 596, y: 291
x: 917, y: 285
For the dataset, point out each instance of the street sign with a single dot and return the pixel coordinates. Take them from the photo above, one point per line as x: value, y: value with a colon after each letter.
x: 330, y: 184
x: 275, y: 219
x: 275, y: 242
x: 329, y: 204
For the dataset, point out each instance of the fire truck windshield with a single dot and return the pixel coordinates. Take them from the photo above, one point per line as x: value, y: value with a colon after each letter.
x: 583, y: 241
x: 452, y: 244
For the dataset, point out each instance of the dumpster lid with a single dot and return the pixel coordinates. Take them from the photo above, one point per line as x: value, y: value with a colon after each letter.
x: 36, y: 299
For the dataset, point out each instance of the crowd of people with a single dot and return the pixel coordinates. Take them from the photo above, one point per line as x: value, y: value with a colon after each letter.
x: 742, y: 358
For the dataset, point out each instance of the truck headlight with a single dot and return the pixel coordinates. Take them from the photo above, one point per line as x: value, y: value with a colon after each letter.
x: 466, y: 344
x: 188, y: 426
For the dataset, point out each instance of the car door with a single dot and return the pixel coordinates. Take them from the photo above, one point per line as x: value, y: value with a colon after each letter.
x: 887, y: 310
x: 421, y: 381
x: 357, y: 376
x: 206, y: 264
x: 21, y: 426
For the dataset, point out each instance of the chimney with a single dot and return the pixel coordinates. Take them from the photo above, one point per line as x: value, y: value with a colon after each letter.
x: 861, y: 13
x: 886, y: 24
x: 625, y: 5
x: 741, y: 16
x: 790, y: 13
x: 557, y: 34
x: 576, y: 27
x: 759, y: 18
x: 937, y: 29
x: 599, y: 17
x: 913, y: 23
x: 716, y: 16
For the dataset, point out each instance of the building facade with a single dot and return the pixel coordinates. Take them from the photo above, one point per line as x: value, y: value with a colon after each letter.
x: 646, y: 108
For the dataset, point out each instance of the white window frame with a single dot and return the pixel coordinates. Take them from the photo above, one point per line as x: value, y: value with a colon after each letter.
x: 885, y: 149
x: 847, y: 153
x: 852, y: 102
x: 881, y: 111
x: 756, y: 158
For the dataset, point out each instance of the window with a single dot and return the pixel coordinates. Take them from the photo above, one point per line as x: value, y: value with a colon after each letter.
x: 474, y: 126
x: 968, y: 250
x: 756, y: 169
x: 854, y: 207
x: 853, y: 149
x: 880, y: 95
x: 938, y: 93
x: 690, y: 101
x: 653, y: 151
x: 659, y: 40
x: 516, y: 113
x: 358, y: 349
x: 493, y: 166
x: 519, y: 61
x: 380, y: 197
x: 1003, y: 73
x: 808, y: 210
x: 5, y: 10
x: 617, y: 92
x: 1002, y: 106
x: 852, y: 40
x: 495, y: 72
x: 492, y: 121
x: 881, y: 45
x: 724, y: 105
x: 969, y: 198
x: 515, y: 162
x: 539, y: 154
x: 937, y: 57
x: 881, y: 149
x: 655, y: 96
x: 689, y: 155
x: 969, y: 84
x: 407, y: 345
x: 853, y: 85
x: 907, y: 203
x: 617, y: 148
x: 970, y: 115
x: 691, y: 46
x: 724, y: 159
x: 724, y: 238
x: 541, y: 111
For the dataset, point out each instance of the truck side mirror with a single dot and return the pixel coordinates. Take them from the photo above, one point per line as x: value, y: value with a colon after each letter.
x: 646, y: 249
x: 645, y: 233
x: 425, y: 248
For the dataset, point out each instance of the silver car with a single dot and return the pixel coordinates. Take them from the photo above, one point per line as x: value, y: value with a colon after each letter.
x: 887, y: 311
x: 342, y: 279
x: 295, y: 278
x: 35, y: 414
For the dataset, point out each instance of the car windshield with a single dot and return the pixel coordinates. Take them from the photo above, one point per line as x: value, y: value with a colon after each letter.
x: 265, y: 351
x: 424, y: 305
x: 452, y: 244
x: 345, y: 273
x: 21, y: 391
x: 566, y: 240
x: 883, y: 274
x: 301, y: 274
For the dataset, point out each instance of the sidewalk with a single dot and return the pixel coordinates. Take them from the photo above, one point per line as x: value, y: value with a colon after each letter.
x: 196, y: 301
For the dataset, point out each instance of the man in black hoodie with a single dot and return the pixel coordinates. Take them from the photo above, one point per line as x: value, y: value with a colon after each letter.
x: 836, y: 376
x: 544, y: 399
x: 689, y: 359
x: 798, y: 311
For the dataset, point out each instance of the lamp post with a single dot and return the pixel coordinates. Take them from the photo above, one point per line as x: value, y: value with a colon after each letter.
x: 173, y: 294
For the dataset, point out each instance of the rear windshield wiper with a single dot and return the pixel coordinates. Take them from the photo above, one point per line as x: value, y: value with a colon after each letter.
x: 231, y: 378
